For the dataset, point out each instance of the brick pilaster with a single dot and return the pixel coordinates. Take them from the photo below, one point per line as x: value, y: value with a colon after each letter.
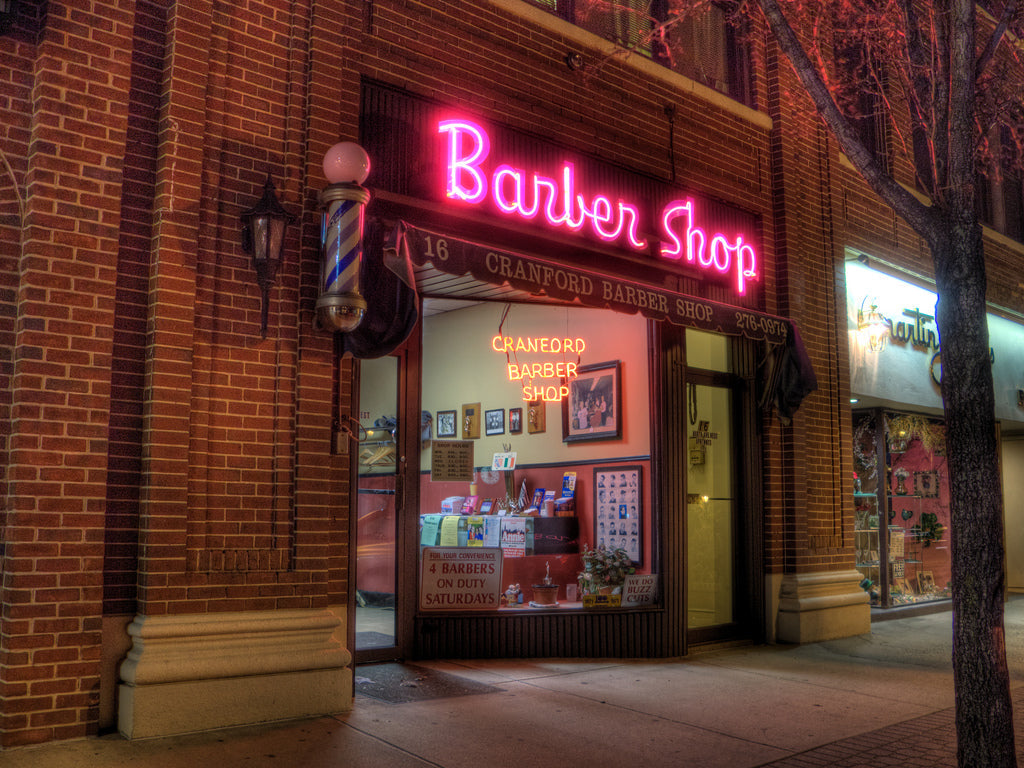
x: 60, y: 382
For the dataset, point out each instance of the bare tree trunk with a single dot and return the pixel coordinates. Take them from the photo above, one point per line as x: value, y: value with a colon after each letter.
x: 984, y: 719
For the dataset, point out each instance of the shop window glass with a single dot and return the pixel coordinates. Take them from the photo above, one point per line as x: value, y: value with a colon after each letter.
x: 901, y: 502
x: 581, y: 438
x: 704, y: 43
x: 1012, y: 180
x: 984, y: 198
x: 709, y: 351
x: 626, y: 22
x: 866, y: 109
x: 1013, y: 206
x: 376, y: 526
x: 1000, y: 192
x: 711, y: 509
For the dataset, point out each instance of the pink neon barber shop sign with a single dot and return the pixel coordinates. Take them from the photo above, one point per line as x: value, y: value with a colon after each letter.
x: 532, y: 196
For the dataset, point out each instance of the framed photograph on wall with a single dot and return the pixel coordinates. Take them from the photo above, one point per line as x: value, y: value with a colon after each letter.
x: 536, y: 416
x: 593, y: 408
x: 446, y: 423
x: 494, y: 421
x: 926, y: 484
x: 619, y: 509
x: 470, y: 421
x: 515, y: 421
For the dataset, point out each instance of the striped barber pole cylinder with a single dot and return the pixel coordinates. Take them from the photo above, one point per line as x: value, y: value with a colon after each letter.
x: 341, y: 306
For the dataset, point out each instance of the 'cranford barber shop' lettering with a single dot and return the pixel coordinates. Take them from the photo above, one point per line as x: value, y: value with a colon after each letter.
x: 530, y: 195
x: 611, y: 292
x: 506, y: 266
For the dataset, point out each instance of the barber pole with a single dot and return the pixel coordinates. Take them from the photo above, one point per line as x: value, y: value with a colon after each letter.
x: 341, y: 306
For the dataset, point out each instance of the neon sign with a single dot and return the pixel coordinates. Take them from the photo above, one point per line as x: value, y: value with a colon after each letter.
x: 562, y: 370
x: 720, y: 254
x: 556, y: 200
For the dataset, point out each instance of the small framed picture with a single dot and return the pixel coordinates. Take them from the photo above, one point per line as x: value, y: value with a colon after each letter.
x: 593, y: 409
x: 446, y: 423
x: 470, y: 421
x: 494, y: 422
x: 926, y: 484
x: 515, y: 421
x: 536, y: 416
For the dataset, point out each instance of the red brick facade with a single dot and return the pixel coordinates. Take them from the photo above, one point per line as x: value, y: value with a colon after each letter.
x: 161, y: 456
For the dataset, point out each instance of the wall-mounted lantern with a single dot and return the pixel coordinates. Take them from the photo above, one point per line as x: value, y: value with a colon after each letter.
x: 263, y: 228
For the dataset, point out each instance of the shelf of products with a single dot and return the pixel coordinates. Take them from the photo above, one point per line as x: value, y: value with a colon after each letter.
x: 533, y: 548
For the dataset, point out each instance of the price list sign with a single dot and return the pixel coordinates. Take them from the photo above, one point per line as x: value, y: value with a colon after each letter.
x: 452, y: 461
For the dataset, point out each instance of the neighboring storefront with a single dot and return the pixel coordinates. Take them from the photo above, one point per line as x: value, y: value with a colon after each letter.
x: 583, y: 388
x: 902, y: 522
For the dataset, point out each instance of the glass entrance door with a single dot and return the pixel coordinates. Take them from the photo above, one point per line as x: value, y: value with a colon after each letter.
x: 712, y: 512
x: 379, y: 465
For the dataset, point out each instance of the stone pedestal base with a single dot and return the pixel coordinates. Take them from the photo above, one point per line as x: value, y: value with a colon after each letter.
x: 200, y: 672
x: 822, y: 606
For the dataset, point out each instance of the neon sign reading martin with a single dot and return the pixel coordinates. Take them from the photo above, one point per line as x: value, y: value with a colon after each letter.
x: 529, y: 195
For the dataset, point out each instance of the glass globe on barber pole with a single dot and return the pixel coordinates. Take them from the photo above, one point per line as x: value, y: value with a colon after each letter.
x: 346, y: 163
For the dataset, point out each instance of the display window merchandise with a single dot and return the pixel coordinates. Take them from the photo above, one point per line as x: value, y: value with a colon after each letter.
x: 560, y: 518
x: 564, y: 511
x: 901, y: 501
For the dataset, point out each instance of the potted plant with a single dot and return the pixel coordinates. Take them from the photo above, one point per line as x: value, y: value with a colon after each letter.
x: 929, y: 529
x: 604, y: 570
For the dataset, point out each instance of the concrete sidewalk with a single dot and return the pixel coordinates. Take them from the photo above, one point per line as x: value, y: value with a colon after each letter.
x: 873, y: 700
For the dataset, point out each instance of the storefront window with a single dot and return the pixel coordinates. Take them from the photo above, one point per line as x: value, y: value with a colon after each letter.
x: 535, y: 487
x: 376, y: 522
x: 901, y: 498
x: 711, y: 507
x: 708, y: 351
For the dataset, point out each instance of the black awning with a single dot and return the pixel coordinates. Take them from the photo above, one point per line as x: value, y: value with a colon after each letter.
x: 539, y: 276
x: 788, y: 373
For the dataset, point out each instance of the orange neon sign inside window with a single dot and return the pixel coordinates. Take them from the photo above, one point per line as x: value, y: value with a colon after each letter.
x: 562, y: 370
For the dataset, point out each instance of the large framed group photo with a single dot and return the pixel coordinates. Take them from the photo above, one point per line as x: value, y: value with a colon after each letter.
x: 593, y: 408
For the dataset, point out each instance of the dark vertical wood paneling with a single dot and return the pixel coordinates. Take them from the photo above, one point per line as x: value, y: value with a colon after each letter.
x: 673, y: 493
x: 745, y: 364
x: 580, y: 634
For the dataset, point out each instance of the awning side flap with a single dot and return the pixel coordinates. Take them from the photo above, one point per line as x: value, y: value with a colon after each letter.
x: 392, y: 306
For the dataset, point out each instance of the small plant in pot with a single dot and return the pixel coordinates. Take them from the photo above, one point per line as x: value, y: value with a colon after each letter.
x: 546, y: 593
x: 929, y: 529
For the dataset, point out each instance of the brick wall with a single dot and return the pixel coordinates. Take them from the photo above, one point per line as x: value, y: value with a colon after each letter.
x: 163, y: 456
x: 60, y: 380
x: 206, y: 481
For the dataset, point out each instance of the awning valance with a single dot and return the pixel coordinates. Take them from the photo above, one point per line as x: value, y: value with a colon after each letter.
x: 542, y: 277
x: 788, y: 374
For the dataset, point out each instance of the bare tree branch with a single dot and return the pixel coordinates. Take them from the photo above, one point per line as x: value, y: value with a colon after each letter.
x: 996, y: 37
x: 918, y: 215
